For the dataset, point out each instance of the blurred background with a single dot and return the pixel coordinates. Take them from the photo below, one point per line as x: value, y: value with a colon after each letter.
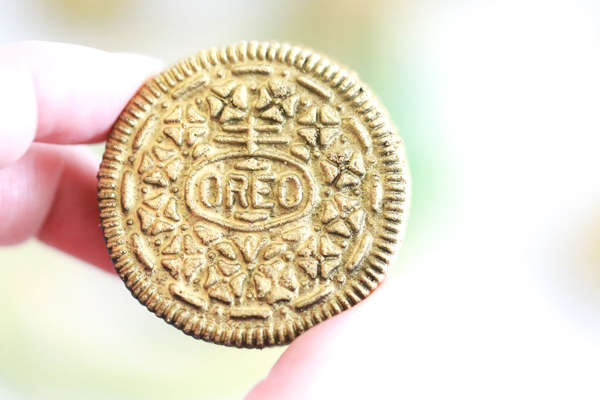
x: 498, y: 103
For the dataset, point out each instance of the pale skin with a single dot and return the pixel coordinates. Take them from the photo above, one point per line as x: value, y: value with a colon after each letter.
x: 55, y: 96
x: 410, y: 339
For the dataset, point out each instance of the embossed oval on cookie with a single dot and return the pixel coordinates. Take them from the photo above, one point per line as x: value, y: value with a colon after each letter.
x: 252, y: 191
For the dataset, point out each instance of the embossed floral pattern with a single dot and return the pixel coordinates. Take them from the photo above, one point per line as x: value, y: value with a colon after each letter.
x: 188, y: 125
x: 343, y: 168
x: 321, y: 125
x: 226, y: 277
x: 277, y: 101
x: 229, y: 102
x: 250, y: 191
x: 343, y: 216
x: 320, y: 254
x: 158, y: 214
x: 184, y: 258
x: 275, y: 282
x: 160, y: 166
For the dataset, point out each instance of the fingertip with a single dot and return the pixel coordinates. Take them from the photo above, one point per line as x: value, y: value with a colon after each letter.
x: 302, y: 369
x: 64, y: 94
x: 81, y: 95
x: 18, y: 108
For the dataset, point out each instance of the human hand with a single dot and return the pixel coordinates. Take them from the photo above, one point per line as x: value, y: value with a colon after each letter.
x: 410, y: 339
x: 57, y: 96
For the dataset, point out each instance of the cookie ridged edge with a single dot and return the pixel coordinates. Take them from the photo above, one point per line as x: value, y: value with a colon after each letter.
x: 394, y: 187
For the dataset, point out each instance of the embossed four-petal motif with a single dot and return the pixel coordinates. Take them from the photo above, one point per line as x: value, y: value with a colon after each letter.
x: 321, y: 125
x: 184, y: 125
x: 229, y: 102
x: 343, y: 215
x: 160, y: 166
x: 226, y: 277
x: 275, y: 282
x: 343, y: 168
x: 184, y: 258
x: 319, y: 256
x: 277, y: 101
x: 158, y: 214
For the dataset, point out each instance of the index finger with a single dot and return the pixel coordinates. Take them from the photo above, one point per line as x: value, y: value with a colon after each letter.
x: 64, y: 94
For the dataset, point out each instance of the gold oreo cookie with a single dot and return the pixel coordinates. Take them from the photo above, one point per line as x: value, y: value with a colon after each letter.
x: 252, y: 191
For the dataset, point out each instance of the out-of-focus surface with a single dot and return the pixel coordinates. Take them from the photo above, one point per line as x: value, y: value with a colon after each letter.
x: 498, y: 103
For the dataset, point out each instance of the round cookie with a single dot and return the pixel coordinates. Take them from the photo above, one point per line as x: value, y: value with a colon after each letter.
x: 252, y: 191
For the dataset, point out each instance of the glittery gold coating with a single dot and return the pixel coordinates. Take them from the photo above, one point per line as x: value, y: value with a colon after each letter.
x: 249, y: 192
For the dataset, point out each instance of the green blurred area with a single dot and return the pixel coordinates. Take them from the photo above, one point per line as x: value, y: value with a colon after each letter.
x: 71, y: 332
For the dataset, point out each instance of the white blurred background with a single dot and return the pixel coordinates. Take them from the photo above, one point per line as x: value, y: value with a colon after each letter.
x: 498, y: 103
